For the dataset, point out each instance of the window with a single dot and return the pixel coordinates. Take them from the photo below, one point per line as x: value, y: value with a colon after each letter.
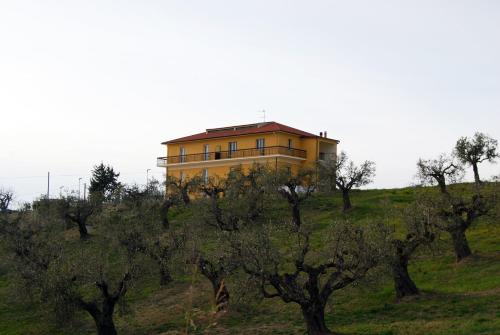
x: 290, y: 146
x: 261, y: 143
x: 232, y: 147
x: 206, y: 152
x: 182, y: 154
x: 204, y: 175
x: 217, y: 152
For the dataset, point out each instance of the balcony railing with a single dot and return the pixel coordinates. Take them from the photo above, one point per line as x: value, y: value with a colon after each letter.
x: 326, y: 156
x: 216, y: 155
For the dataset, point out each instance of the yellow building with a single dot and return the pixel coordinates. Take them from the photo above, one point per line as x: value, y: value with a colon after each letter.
x: 215, y: 151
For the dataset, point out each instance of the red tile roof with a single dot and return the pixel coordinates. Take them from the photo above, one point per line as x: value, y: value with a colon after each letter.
x: 256, y: 128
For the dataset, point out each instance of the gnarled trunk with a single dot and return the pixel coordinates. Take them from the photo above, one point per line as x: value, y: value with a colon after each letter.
x: 215, y: 275
x: 460, y: 244
x: 221, y: 294
x: 347, y: 200
x: 105, y: 325
x: 164, y: 209
x: 314, y: 316
x: 103, y: 319
x: 185, y: 196
x: 296, y: 215
x: 165, y: 276
x: 403, y: 283
x: 82, y: 229
x: 477, y: 181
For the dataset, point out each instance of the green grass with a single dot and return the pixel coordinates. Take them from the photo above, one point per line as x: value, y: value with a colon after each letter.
x: 456, y: 298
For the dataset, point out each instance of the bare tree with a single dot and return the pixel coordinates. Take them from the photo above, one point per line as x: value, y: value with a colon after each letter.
x: 442, y: 170
x: 476, y: 150
x: 229, y: 204
x: 294, y: 188
x: 182, y: 186
x: 216, y: 268
x: 6, y: 197
x: 281, y: 260
x: 65, y: 278
x: 162, y: 248
x: 457, y: 214
x: 78, y: 211
x: 419, y: 221
x: 346, y: 175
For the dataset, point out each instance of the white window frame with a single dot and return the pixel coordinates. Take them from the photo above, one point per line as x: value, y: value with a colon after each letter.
x: 183, y: 154
x: 206, y: 152
x: 230, y: 150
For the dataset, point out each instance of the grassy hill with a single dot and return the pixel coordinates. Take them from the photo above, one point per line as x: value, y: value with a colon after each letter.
x: 456, y: 298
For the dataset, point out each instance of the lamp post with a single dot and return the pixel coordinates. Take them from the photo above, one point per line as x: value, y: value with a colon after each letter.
x: 79, y: 180
x: 147, y: 180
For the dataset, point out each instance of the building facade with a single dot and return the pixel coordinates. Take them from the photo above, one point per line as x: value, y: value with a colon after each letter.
x: 215, y: 151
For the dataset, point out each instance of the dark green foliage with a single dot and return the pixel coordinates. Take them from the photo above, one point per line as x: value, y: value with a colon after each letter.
x: 104, y: 182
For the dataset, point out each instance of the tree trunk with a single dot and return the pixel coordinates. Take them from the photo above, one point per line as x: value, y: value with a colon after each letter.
x: 221, y: 295
x: 82, y: 229
x: 403, y: 283
x: 296, y: 215
x: 347, y: 200
x: 314, y: 316
x: 106, y: 326
x: 477, y: 181
x: 185, y: 197
x: 460, y: 244
x: 103, y: 320
x: 164, y: 216
x: 165, y: 276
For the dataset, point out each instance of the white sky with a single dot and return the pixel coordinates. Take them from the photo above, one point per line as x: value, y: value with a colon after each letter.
x: 90, y: 81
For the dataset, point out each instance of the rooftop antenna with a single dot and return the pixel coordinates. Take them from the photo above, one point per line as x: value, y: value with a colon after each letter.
x: 263, y: 117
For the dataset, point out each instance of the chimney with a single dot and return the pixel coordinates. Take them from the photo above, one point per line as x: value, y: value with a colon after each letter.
x: 325, y: 133
x: 320, y: 134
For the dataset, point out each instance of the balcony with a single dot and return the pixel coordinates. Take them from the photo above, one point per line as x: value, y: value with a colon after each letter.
x: 243, y: 153
x: 327, y: 156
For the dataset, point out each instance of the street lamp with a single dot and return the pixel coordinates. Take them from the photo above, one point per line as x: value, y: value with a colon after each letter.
x: 147, y: 180
x: 79, y: 179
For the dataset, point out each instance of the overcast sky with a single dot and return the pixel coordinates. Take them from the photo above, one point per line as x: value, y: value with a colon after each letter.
x: 90, y: 81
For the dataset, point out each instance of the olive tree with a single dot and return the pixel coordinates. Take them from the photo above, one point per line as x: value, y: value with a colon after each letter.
x: 418, y: 220
x: 442, y: 171
x: 281, y: 259
x: 6, y: 197
x: 182, y: 186
x: 78, y: 212
x: 294, y: 188
x: 228, y: 205
x: 476, y: 150
x: 69, y: 275
x: 346, y: 175
x: 457, y: 213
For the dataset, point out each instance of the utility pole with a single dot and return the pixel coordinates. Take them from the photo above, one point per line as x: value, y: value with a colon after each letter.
x: 84, y: 191
x: 48, y: 185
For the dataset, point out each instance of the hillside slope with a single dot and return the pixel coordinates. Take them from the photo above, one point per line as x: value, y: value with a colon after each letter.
x: 456, y: 298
